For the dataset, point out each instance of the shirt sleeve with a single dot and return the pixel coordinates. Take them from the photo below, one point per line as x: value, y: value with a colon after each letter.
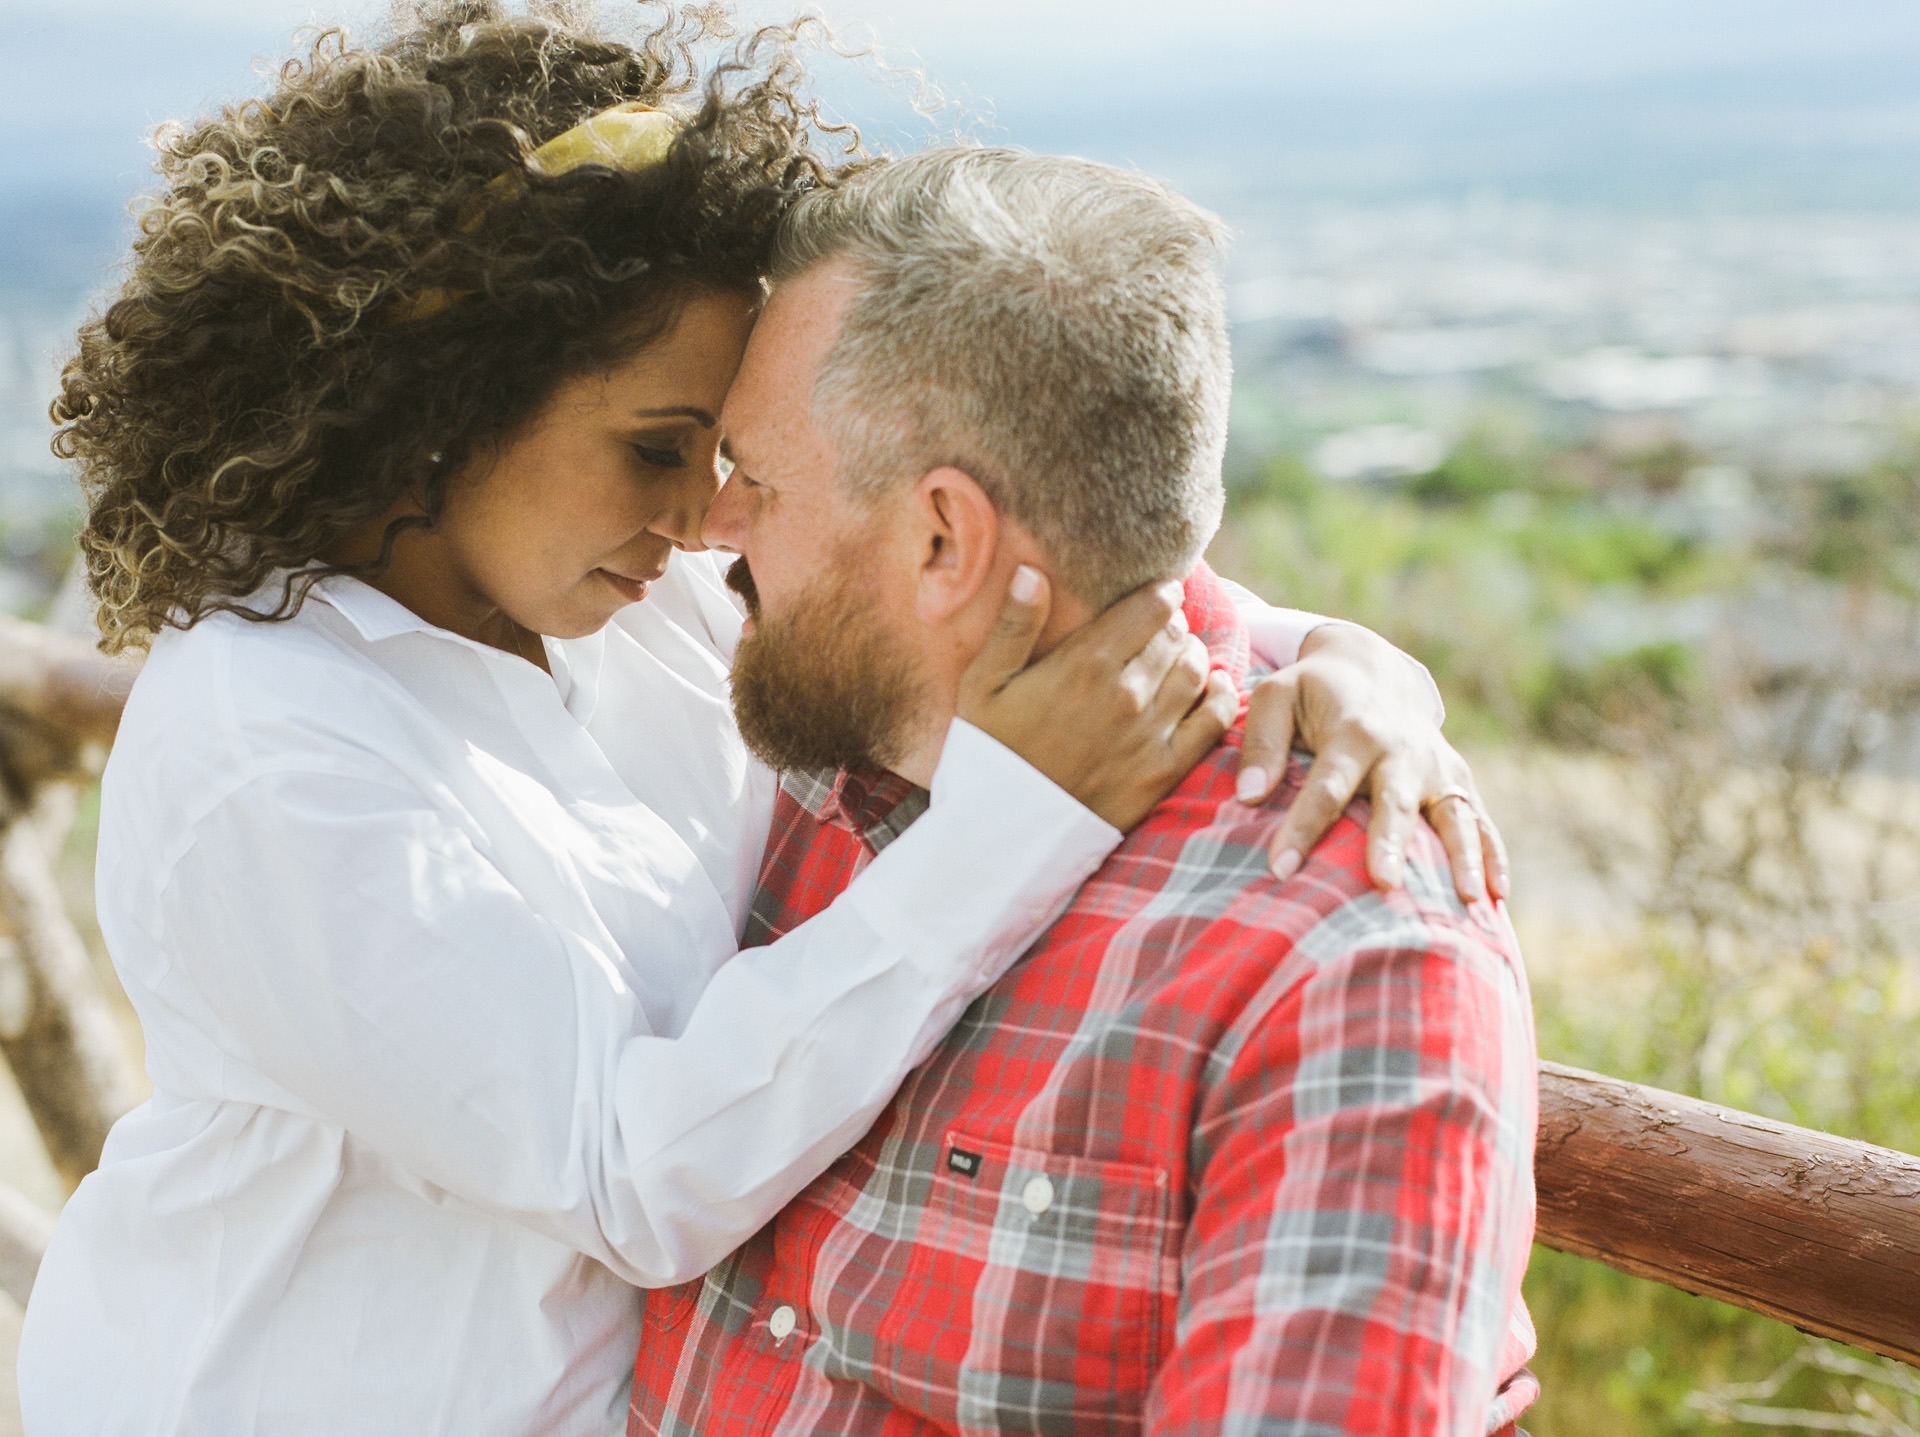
x: 1275, y: 635
x: 1364, y: 1203
x: 358, y: 950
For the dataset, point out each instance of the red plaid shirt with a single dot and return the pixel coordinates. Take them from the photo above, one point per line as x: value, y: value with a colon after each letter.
x: 1218, y: 1154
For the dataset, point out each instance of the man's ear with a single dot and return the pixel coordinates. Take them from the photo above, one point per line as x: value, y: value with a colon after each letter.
x: 958, y: 533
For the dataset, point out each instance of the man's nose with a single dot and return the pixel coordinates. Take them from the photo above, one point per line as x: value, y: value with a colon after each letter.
x: 725, y: 526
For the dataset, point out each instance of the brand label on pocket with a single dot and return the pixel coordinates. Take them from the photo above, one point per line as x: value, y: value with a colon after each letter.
x: 963, y: 1162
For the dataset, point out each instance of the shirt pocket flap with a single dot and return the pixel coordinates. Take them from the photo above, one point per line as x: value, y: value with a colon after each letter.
x: 1038, y: 1286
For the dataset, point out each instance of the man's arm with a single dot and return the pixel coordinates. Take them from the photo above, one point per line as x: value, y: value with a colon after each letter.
x: 1364, y: 1202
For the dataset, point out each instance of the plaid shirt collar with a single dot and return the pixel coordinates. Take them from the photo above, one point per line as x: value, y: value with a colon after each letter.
x: 876, y: 807
x: 1210, y: 614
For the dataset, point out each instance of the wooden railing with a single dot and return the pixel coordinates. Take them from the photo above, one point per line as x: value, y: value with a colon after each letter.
x: 1809, y: 1228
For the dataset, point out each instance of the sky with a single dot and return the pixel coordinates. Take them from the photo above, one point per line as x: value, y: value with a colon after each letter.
x: 88, y: 77
x: 1632, y: 102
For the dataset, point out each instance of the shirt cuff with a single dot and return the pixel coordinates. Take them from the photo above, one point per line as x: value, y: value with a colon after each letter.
x: 1001, y: 850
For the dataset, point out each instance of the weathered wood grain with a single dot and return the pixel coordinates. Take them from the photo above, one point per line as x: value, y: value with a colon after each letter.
x: 1813, y: 1229
x: 60, y: 703
x: 62, y: 684
x: 56, y: 1030
x: 24, y: 1234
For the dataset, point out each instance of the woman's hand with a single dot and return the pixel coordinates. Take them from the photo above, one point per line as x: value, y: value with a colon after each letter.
x: 1368, y: 717
x: 1117, y: 714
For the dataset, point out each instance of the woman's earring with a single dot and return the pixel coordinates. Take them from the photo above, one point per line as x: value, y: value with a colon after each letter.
x: 434, y: 458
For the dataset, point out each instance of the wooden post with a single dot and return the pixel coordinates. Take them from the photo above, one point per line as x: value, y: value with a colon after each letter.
x: 60, y: 704
x: 62, y: 684
x: 24, y: 1234
x: 56, y: 1030
x: 1812, y: 1229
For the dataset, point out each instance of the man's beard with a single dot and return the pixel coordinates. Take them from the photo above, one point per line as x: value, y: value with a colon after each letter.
x: 824, y: 687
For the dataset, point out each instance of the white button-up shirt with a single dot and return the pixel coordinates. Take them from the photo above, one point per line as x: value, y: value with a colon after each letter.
x: 435, y: 958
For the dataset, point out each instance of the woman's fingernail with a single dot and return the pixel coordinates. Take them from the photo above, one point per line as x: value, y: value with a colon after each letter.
x: 1390, y: 871
x: 1026, y: 584
x: 1252, y: 786
x: 1286, y: 865
x: 1178, y: 623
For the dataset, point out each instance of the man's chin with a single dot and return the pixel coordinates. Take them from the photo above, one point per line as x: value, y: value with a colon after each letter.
x: 836, y: 699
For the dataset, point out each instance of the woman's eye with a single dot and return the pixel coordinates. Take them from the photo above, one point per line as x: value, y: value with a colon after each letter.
x: 661, y: 458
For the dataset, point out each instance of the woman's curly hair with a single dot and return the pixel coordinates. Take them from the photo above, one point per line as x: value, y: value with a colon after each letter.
x: 255, y: 391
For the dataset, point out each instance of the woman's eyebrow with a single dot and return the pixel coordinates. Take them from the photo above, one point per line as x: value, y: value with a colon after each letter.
x: 679, y: 411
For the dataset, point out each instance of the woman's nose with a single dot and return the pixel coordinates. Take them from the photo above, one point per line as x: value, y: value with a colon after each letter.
x: 686, y: 514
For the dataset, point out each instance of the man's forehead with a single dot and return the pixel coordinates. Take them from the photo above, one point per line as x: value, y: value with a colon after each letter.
x: 768, y: 405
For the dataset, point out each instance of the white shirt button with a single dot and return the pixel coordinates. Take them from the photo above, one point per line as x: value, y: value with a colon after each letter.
x: 1037, y: 1195
x: 782, y: 1322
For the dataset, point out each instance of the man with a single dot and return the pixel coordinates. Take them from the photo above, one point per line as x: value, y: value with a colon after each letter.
x: 1223, y: 1152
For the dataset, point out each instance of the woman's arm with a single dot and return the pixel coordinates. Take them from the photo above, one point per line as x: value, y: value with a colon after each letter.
x: 1371, y: 714
x: 359, y: 956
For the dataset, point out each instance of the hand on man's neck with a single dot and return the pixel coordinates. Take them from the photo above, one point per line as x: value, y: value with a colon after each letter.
x: 961, y: 638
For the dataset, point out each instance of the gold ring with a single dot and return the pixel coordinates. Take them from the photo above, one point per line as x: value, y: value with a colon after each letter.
x: 1455, y: 792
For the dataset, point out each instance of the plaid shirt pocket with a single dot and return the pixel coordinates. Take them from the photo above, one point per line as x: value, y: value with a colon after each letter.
x: 1034, y: 1295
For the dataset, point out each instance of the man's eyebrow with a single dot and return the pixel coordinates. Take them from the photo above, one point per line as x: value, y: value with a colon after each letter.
x: 679, y: 411
x: 739, y: 467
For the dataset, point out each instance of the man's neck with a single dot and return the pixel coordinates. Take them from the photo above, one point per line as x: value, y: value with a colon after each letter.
x: 920, y: 753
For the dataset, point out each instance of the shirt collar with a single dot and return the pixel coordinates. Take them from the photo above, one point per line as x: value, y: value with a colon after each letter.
x: 873, y: 805
x: 575, y: 664
x: 1212, y: 617
x: 373, y: 614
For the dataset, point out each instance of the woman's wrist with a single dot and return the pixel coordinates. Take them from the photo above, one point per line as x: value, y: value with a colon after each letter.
x: 1393, y: 667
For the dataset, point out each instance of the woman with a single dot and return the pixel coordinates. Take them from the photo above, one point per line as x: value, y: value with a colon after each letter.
x: 425, y: 877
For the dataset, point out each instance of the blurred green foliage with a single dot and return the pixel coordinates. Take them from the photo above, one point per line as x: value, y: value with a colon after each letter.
x: 1859, y: 528
x: 1524, y: 578
x: 1476, y: 569
x: 1477, y: 468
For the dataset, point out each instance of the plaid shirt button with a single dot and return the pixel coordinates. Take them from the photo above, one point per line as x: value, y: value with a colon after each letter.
x: 1037, y: 1195
x: 781, y: 1323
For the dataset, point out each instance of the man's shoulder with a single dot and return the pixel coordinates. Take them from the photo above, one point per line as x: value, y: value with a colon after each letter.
x: 1198, y: 868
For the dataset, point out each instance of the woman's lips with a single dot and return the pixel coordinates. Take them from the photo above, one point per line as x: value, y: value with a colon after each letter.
x: 631, y: 589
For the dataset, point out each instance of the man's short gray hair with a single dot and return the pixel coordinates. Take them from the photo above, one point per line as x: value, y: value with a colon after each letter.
x: 1054, y: 327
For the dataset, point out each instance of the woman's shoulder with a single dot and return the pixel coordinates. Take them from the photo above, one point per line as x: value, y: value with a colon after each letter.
x: 218, y: 708
x: 228, y: 688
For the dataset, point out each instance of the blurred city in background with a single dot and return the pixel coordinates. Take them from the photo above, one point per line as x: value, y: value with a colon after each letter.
x: 1578, y: 351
